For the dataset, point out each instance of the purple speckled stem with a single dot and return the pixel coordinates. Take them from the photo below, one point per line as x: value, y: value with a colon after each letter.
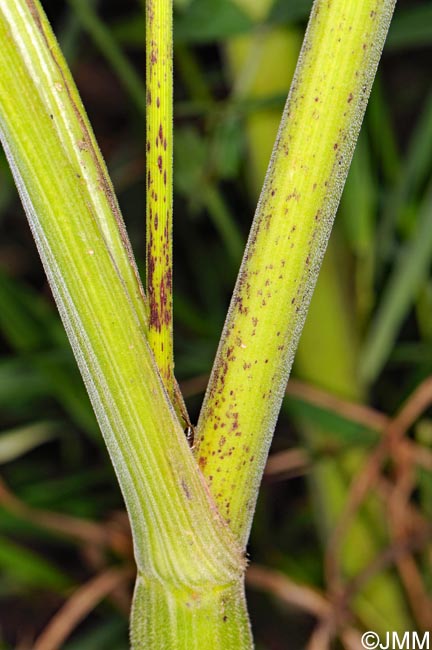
x: 303, y: 186
x: 159, y: 73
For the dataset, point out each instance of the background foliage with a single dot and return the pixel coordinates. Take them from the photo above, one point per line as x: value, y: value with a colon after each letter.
x: 62, y: 525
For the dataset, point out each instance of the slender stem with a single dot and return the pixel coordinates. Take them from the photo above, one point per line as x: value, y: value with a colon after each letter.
x: 159, y: 62
x: 282, y: 260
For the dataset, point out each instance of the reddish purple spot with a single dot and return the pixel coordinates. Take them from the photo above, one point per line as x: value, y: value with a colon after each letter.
x: 168, y: 277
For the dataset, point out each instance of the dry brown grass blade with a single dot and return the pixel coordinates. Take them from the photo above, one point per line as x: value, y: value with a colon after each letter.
x: 369, y: 476
x: 335, y: 624
x: 332, y: 618
x: 79, y: 605
x: 421, y: 455
x: 110, y: 534
x: 351, y: 639
x: 420, y: 603
x: 321, y: 637
x: 400, y: 526
x: 385, y: 559
x: 288, y: 591
x: 363, y: 415
x: 81, y: 529
x: 295, y: 462
x: 415, y: 519
x: 413, y: 407
x: 287, y: 464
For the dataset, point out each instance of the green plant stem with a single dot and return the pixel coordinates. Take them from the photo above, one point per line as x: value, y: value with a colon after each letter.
x: 210, y: 618
x: 159, y: 146
x: 328, y: 350
x: 183, y: 549
x: 291, y: 227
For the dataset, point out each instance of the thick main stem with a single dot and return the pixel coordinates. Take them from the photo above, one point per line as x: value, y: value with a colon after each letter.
x: 203, y: 618
x: 159, y: 147
x: 287, y: 242
x: 183, y: 549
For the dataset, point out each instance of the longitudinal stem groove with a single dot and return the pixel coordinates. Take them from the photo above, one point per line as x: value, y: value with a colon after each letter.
x: 159, y: 80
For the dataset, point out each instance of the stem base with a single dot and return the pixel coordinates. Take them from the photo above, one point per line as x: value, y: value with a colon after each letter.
x: 209, y: 617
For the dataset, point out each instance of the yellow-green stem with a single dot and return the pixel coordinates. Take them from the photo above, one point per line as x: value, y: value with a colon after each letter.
x: 292, y: 224
x: 207, y: 618
x: 184, y: 551
x: 159, y: 147
x: 327, y: 353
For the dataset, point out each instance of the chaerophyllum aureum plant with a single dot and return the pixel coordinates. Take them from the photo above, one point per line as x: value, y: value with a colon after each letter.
x: 190, y: 507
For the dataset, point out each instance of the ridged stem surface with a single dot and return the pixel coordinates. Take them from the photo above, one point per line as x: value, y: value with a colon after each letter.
x: 207, y: 618
x: 159, y: 147
x: 327, y: 353
x: 181, y: 543
x: 293, y: 220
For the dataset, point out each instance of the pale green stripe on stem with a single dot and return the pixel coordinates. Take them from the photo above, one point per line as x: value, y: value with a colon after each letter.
x: 179, y: 537
x: 159, y: 146
x: 287, y: 242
